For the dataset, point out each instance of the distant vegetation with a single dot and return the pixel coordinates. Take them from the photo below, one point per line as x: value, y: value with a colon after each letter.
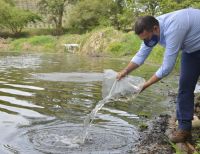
x: 99, y: 42
x: 81, y: 16
x: 100, y: 27
x: 15, y: 19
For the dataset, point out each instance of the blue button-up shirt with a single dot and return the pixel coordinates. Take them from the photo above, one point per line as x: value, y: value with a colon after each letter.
x: 179, y: 30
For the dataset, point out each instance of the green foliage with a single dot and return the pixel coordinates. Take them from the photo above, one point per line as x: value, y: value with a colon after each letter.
x: 125, y: 14
x: 131, y: 10
x: 171, y: 5
x: 17, y: 44
x: 88, y: 14
x: 156, y: 54
x: 151, y: 7
x: 177, y: 150
x: 43, y: 42
x: 143, y: 126
x: 54, y: 10
x: 157, y: 7
x: 125, y: 19
x: 11, y: 2
x: 15, y: 19
x: 198, y: 146
x: 128, y: 44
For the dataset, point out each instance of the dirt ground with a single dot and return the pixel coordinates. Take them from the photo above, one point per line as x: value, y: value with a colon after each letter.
x: 154, y: 140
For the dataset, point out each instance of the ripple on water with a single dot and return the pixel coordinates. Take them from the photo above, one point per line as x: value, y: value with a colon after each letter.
x: 24, y: 86
x: 70, y: 77
x: 60, y: 139
x: 16, y: 92
x: 15, y: 101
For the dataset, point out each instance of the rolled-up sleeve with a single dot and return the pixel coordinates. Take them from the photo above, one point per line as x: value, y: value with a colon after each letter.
x: 141, y: 55
x: 174, y: 40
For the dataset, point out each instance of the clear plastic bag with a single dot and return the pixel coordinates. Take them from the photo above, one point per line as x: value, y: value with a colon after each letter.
x: 125, y: 89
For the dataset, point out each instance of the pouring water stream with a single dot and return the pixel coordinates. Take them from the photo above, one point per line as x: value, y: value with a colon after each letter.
x: 89, y: 119
x: 125, y: 89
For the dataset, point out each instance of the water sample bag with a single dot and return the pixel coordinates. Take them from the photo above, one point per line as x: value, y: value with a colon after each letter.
x: 125, y: 89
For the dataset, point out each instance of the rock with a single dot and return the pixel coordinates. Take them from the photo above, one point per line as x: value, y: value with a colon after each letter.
x: 196, y: 122
x: 197, y: 98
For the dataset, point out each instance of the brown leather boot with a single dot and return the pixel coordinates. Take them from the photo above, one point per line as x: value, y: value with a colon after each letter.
x: 180, y: 136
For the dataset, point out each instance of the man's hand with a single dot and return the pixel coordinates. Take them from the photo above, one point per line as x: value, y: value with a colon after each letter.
x: 151, y: 81
x: 144, y: 87
x: 130, y: 67
x: 121, y: 74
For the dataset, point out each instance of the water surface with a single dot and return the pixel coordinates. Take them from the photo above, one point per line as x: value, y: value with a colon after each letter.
x: 44, y: 100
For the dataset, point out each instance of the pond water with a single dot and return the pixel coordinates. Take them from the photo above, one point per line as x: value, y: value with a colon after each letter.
x: 44, y: 99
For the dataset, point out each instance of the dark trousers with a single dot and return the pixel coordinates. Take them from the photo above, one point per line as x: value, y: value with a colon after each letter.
x: 189, y: 74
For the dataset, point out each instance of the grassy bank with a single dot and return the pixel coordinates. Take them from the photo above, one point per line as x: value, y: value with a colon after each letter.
x: 99, y: 42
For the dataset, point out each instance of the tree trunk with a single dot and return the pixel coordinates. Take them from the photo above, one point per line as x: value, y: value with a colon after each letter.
x: 59, y: 28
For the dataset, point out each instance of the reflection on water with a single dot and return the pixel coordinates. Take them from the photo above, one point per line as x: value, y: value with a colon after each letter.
x: 70, y: 77
x: 15, y: 92
x: 42, y: 115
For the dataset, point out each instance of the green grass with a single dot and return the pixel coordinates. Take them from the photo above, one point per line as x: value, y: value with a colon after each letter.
x: 197, y: 146
x: 128, y: 44
x: 17, y: 44
x: 143, y: 126
x: 43, y: 42
x: 177, y: 150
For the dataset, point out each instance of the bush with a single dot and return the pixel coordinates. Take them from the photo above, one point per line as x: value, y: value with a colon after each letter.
x: 88, y: 14
x: 41, y: 40
x: 128, y: 44
x: 34, y: 43
x: 15, y: 19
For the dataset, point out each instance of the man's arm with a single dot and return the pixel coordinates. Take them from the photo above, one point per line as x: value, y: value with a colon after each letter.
x: 136, y: 61
x: 174, y: 41
x: 151, y: 81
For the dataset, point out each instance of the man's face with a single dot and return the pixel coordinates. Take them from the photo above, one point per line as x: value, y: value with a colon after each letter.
x: 150, y: 38
x: 145, y: 35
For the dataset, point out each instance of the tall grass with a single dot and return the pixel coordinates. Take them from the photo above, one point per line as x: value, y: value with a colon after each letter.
x: 127, y: 44
x: 43, y: 42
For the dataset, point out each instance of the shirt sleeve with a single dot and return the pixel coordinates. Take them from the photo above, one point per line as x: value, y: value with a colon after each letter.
x: 141, y: 55
x: 174, y: 40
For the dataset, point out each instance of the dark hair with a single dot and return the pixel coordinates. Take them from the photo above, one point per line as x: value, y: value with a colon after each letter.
x: 145, y: 23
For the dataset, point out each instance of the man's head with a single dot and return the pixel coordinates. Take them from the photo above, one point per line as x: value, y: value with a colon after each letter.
x: 147, y: 28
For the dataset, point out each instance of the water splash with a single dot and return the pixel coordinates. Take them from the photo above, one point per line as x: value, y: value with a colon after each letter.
x: 89, y: 119
x: 113, y: 93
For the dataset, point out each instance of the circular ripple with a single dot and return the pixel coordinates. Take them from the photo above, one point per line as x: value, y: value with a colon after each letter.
x: 58, y: 139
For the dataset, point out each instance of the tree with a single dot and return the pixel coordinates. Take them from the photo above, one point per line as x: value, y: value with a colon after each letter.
x: 11, y: 2
x: 54, y: 10
x: 15, y: 19
x: 150, y: 7
x: 172, y: 5
x: 87, y: 14
x: 125, y: 14
x: 157, y: 7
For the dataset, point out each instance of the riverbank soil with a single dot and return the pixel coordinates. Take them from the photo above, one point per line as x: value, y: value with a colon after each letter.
x: 154, y: 140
